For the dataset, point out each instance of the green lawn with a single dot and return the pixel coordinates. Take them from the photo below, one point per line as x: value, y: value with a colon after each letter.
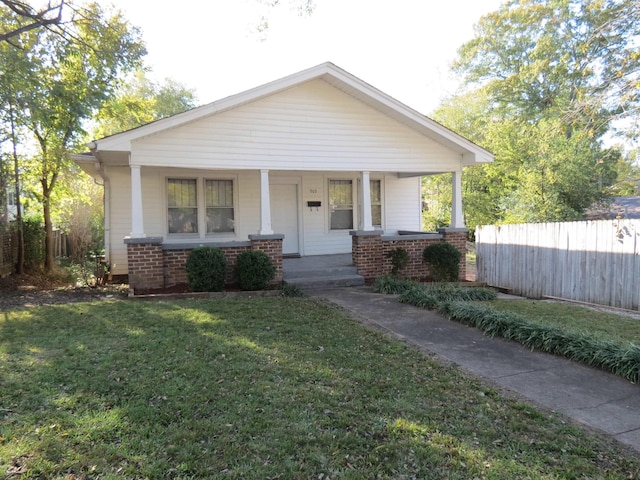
x: 614, y: 327
x: 260, y: 388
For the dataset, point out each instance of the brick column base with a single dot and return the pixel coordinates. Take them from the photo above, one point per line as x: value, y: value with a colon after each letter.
x: 144, y: 258
x: 458, y: 238
x: 366, y: 252
x: 272, y: 246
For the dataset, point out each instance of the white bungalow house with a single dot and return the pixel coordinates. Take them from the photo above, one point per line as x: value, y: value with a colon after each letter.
x: 315, y: 163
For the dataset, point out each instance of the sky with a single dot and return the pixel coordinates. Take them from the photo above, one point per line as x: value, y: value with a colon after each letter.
x: 402, y: 47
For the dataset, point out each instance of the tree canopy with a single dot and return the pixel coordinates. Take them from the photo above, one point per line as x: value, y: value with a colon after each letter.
x: 56, y: 78
x: 546, y: 81
x: 139, y: 101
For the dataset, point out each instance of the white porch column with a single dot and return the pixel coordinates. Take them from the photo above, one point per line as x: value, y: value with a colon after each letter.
x: 137, y: 223
x: 265, y: 204
x: 457, y: 219
x: 365, y: 201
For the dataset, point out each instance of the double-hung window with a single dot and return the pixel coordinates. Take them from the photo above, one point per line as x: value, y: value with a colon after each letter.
x: 341, y: 204
x: 200, y: 206
x: 219, y: 201
x: 182, y: 205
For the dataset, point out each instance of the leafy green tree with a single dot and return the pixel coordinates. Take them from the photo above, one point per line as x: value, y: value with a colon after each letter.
x: 545, y: 81
x: 73, y: 68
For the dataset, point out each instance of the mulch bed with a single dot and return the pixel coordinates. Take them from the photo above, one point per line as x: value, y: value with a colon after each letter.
x: 24, y: 291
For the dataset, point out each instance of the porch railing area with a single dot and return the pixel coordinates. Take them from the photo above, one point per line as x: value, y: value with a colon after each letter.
x: 153, y: 264
x: 370, y: 249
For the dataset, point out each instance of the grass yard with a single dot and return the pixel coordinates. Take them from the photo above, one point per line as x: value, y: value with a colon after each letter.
x: 617, y: 328
x: 260, y: 388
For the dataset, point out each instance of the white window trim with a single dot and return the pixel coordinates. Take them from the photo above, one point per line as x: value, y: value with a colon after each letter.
x: 202, y: 208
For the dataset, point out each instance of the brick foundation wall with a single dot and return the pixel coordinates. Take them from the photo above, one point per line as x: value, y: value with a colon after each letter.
x: 369, y: 252
x: 175, y: 260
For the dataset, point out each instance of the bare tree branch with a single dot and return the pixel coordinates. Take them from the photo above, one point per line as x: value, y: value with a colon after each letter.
x: 40, y: 18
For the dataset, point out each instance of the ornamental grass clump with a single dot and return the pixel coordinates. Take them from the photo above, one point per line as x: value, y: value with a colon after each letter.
x: 206, y: 269
x: 254, y: 270
x: 434, y: 296
x: 444, y: 261
x: 418, y: 297
x: 619, y: 359
x: 392, y: 285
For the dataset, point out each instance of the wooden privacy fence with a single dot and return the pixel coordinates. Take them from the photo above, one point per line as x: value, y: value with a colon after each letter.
x: 9, y: 248
x: 7, y: 252
x: 595, y: 261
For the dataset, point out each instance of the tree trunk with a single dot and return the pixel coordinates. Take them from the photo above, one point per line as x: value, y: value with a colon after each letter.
x: 16, y: 181
x: 48, y: 232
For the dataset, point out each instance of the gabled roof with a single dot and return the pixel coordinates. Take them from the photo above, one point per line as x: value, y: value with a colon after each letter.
x: 330, y: 73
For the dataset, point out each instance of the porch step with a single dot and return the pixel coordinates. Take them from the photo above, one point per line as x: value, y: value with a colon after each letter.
x: 353, y: 280
x: 321, y: 271
x: 330, y: 271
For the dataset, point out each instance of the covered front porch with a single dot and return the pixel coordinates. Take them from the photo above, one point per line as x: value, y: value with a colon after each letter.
x: 313, y: 215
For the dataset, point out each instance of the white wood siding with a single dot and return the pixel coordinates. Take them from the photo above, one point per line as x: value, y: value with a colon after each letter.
x: 313, y: 126
x: 120, y: 218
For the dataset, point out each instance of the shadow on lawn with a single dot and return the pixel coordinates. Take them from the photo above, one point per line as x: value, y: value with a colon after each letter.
x: 255, y: 389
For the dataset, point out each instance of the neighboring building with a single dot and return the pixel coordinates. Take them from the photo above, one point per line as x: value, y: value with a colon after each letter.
x: 619, y: 207
x: 302, y: 166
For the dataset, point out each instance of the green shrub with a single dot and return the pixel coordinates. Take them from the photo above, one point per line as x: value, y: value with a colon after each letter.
x: 444, y: 260
x: 254, y: 270
x: 399, y: 259
x: 206, y: 269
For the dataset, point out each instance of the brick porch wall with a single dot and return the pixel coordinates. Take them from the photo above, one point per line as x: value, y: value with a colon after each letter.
x: 369, y: 250
x: 153, y: 264
x: 174, y: 261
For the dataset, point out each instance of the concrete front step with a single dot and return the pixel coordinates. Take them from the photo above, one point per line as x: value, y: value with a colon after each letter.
x: 335, y: 271
x: 352, y: 280
x: 321, y: 271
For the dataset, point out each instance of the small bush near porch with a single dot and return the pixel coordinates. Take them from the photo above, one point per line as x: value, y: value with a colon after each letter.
x: 259, y: 388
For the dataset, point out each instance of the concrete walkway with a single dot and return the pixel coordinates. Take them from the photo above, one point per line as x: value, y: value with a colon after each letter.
x: 595, y: 398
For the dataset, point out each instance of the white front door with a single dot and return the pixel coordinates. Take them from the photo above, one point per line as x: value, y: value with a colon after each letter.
x: 284, y: 216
